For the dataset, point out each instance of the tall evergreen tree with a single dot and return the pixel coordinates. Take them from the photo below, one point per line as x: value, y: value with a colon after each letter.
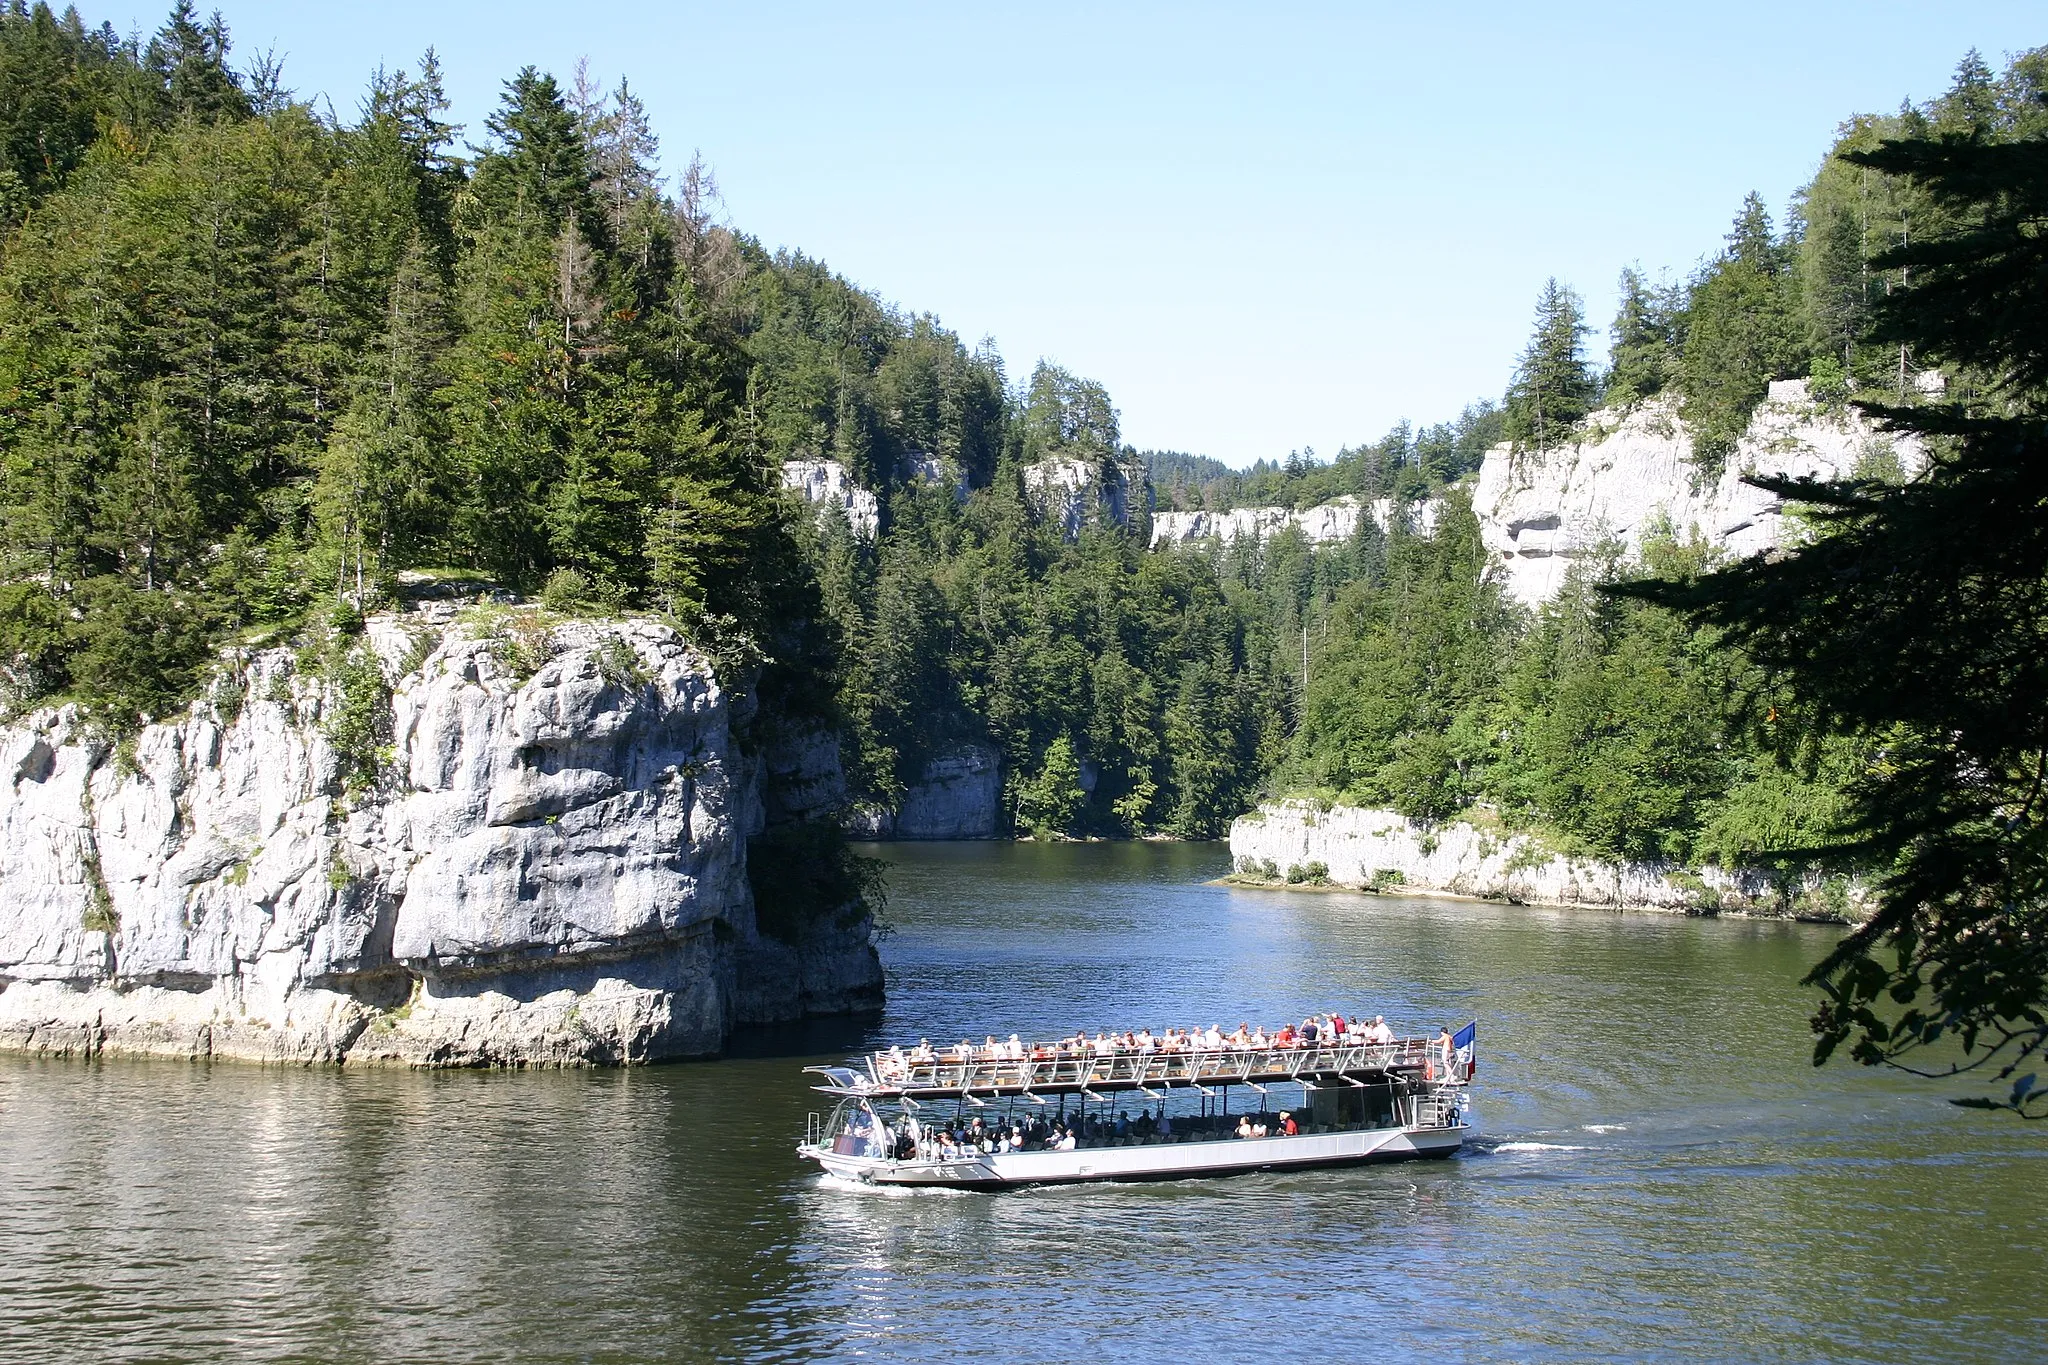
x: 1553, y: 386
x: 1742, y: 331
x: 1646, y: 342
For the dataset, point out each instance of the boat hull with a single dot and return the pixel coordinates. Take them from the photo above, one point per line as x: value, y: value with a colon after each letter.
x: 1157, y: 1161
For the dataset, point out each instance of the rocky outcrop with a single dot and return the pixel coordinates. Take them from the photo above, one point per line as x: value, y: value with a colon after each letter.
x: 530, y: 849
x: 960, y: 796
x: 1077, y: 492
x: 1633, y: 474
x: 826, y: 484
x: 1332, y: 522
x: 1306, y: 842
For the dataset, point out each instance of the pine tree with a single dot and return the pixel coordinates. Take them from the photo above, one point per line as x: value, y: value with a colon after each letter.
x: 1553, y: 387
x: 1645, y: 342
x: 538, y: 174
x: 190, y: 59
x: 1742, y: 331
x: 383, y: 493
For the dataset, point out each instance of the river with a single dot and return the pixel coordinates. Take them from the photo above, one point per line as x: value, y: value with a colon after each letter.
x: 1659, y: 1175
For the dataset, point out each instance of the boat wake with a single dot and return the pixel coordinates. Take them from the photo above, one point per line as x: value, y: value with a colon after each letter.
x: 1484, y: 1146
x: 833, y: 1182
x: 1604, y: 1128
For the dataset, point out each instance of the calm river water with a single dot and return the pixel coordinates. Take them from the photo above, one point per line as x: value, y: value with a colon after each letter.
x: 1660, y: 1176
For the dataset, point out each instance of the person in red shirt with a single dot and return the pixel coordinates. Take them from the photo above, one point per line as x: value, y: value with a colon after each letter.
x: 1287, y: 1124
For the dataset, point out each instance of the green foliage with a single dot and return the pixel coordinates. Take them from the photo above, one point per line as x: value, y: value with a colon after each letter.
x: 1407, y: 654
x: 1308, y: 874
x: 1051, y: 802
x: 807, y: 880
x: 1648, y: 335
x: 358, y: 725
x: 253, y: 357
x: 619, y: 664
x: 1553, y: 386
x: 1405, y: 463
x: 1742, y: 331
x: 1915, y: 624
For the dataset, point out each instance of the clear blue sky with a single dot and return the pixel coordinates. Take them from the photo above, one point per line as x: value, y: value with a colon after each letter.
x: 1262, y: 227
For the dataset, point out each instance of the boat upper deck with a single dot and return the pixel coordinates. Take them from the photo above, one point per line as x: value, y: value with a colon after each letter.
x: 1056, y: 1069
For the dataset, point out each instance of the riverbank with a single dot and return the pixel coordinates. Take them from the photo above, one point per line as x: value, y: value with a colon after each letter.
x: 1303, y: 844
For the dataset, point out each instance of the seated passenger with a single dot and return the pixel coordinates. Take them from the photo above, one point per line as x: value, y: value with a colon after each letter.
x: 1016, y: 1048
x: 1288, y: 1127
x: 1146, y: 1043
x: 1244, y: 1126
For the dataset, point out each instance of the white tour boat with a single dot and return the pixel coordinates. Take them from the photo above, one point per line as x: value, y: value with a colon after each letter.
x: 1013, y: 1114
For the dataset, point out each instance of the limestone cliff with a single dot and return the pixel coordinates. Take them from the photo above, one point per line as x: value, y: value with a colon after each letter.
x: 959, y: 796
x: 1074, y: 492
x: 1300, y: 841
x: 1332, y: 522
x: 543, y: 863
x: 1539, y: 510
x: 826, y: 484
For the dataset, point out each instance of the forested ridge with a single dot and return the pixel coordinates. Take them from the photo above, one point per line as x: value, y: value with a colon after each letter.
x: 263, y: 368
x: 1608, y: 723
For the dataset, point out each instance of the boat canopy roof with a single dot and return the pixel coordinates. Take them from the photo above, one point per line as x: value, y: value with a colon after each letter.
x: 1056, y: 1069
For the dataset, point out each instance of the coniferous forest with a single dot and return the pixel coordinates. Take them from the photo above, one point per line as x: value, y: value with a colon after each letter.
x: 262, y: 365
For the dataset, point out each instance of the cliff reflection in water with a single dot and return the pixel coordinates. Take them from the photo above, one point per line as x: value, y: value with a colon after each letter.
x: 1660, y: 1174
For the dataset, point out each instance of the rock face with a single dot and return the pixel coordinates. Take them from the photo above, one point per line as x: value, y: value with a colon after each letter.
x: 1540, y: 510
x: 959, y: 798
x: 1073, y: 492
x: 1333, y: 522
x: 547, y: 865
x: 825, y: 483
x: 1381, y: 850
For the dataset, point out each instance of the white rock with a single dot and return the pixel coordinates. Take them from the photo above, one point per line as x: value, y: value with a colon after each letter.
x: 959, y: 797
x: 1364, y: 846
x: 1332, y: 522
x: 826, y: 483
x: 553, y: 870
x: 1074, y: 492
x: 1540, y: 510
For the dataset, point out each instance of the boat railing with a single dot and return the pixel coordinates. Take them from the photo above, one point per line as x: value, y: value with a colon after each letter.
x: 1046, y: 1067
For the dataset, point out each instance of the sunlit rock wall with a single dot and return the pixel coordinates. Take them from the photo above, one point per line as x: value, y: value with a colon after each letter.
x: 1332, y: 522
x: 1369, y: 847
x: 551, y: 869
x: 1539, y: 511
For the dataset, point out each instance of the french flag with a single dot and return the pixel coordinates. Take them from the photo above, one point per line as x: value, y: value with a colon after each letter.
x: 1465, y: 1046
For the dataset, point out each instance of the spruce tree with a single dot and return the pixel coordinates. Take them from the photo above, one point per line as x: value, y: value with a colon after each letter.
x: 1645, y: 342
x: 1742, y: 331
x: 1553, y: 387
